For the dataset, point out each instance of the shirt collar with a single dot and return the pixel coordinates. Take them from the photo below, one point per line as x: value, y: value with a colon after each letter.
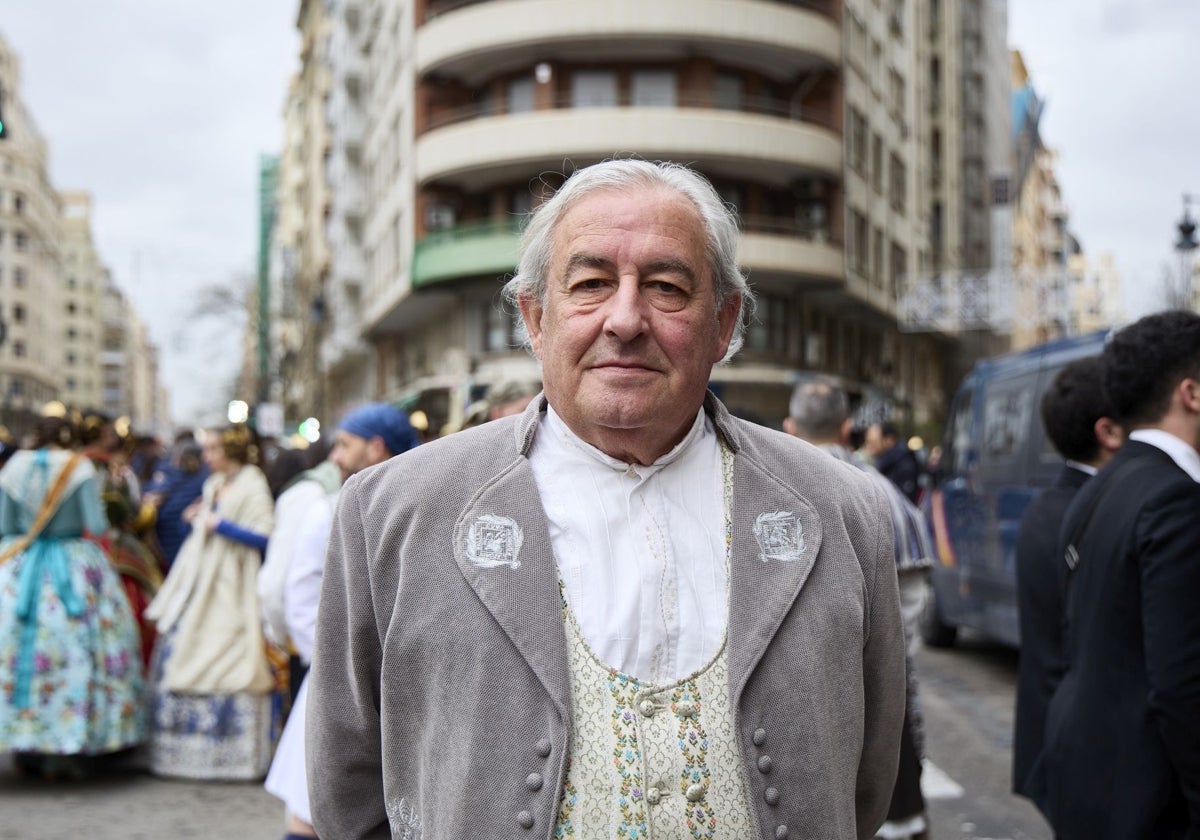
x: 560, y: 431
x: 1082, y: 467
x: 1181, y: 453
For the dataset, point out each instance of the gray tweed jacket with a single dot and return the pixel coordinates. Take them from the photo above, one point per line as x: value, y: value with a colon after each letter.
x: 439, y: 699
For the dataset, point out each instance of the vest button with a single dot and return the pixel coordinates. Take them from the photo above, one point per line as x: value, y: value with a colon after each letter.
x: 653, y: 796
x: 695, y: 793
x: 647, y: 708
x: 760, y: 737
x: 534, y: 781
x: 543, y: 748
x: 781, y: 833
x: 764, y: 764
x: 525, y: 820
x: 772, y: 796
x: 686, y: 708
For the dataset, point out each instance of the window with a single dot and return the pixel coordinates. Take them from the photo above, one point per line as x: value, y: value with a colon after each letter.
x: 877, y: 163
x: 728, y: 92
x: 520, y: 96
x: 71, y: 358
x: 18, y: 313
x: 594, y: 89
x: 877, y: 258
x: 71, y: 308
x: 20, y: 240
x: 19, y: 277
x: 860, y: 242
x: 19, y: 349
x: 71, y: 333
x: 654, y: 89
x: 500, y: 331
x: 899, y: 183
x: 858, y: 141
x: 18, y: 203
x: 899, y: 268
x: 767, y: 333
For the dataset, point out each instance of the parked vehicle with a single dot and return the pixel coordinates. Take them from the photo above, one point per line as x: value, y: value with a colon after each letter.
x: 995, y: 460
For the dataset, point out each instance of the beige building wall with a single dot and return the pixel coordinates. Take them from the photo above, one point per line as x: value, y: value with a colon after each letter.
x: 31, y: 270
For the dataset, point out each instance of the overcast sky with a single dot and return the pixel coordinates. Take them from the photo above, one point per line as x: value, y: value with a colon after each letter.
x: 161, y: 109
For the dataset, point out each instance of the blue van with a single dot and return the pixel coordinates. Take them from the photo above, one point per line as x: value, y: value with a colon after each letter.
x: 995, y: 459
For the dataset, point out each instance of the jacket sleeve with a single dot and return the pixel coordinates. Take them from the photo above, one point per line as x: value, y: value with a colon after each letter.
x: 344, y: 752
x: 1170, y: 572
x: 883, y: 678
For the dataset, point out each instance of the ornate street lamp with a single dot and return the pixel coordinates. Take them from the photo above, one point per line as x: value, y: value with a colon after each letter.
x: 1186, y: 245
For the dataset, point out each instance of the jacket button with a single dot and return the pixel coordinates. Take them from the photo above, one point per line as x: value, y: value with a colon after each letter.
x: 525, y: 820
x: 760, y: 737
x: 694, y: 793
x: 764, y: 764
x: 647, y: 708
x: 781, y: 833
x: 772, y: 796
x: 653, y: 796
x: 686, y: 709
x: 534, y: 781
x: 543, y: 748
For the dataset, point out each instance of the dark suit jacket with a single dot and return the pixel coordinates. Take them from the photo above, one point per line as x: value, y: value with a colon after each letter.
x: 1122, y: 756
x: 1041, y: 580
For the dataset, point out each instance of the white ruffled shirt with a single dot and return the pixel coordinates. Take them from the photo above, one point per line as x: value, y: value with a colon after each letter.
x: 640, y: 549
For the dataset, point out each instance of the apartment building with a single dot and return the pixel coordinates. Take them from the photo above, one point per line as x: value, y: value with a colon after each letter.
x: 84, y: 281
x: 31, y: 305
x: 448, y: 121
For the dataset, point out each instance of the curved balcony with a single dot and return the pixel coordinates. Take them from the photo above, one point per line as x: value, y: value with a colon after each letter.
x: 778, y: 253
x: 483, y: 152
x: 472, y: 249
x: 778, y: 39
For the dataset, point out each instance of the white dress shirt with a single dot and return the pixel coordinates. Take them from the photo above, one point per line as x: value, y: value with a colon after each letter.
x: 641, y: 550
x: 1181, y: 453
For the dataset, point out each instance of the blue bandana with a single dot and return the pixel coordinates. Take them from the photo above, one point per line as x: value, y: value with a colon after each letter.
x: 382, y: 420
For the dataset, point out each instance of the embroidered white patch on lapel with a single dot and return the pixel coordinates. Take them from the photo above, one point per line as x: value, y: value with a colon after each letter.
x: 404, y: 819
x: 780, y: 536
x: 494, y: 541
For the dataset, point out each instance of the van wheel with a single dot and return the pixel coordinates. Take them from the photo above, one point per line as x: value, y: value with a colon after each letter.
x: 934, y: 630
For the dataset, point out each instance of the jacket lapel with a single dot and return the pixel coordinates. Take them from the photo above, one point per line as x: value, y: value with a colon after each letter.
x: 502, y: 545
x: 776, y: 534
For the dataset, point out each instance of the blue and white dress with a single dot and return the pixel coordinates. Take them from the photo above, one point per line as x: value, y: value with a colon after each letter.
x: 70, y: 667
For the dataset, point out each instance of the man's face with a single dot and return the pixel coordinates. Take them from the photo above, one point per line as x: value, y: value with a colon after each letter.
x: 874, y: 443
x: 630, y: 329
x: 352, y: 453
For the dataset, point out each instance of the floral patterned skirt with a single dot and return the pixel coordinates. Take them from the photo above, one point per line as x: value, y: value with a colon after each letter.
x: 209, y: 736
x: 70, y: 669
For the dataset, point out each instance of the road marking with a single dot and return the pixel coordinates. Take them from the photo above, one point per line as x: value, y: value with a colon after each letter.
x: 935, y: 784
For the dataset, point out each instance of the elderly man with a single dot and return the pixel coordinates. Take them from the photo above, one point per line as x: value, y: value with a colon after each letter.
x: 819, y: 412
x: 621, y: 613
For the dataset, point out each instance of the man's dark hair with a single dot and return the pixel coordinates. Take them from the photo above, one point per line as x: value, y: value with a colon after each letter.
x: 1146, y: 360
x: 1072, y: 404
x: 888, y: 429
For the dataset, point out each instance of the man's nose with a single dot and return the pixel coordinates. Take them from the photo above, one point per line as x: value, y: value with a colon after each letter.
x: 625, y: 318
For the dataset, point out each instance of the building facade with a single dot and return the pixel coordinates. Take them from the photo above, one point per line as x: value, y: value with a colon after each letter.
x: 31, y: 270
x: 84, y: 282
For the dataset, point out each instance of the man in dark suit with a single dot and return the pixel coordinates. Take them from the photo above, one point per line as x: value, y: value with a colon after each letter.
x: 1122, y: 754
x: 1078, y: 419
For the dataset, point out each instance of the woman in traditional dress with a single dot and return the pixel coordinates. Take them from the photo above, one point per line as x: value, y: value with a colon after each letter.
x: 213, y: 715
x: 70, y: 670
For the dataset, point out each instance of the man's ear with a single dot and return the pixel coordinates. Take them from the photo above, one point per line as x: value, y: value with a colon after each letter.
x: 1109, y: 434
x: 531, y: 314
x: 1189, y: 394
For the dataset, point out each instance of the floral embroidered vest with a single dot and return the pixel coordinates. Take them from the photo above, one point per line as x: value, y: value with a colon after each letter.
x: 651, y: 762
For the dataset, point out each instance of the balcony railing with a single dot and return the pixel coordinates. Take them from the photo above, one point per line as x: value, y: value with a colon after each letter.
x: 757, y: 105
x: 436, y: 8
x: 786, y: 226
x: 471, y: 249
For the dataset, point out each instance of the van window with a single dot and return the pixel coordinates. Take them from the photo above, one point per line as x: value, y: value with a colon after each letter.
x: 959, y: 439
x: 1007, y: 410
